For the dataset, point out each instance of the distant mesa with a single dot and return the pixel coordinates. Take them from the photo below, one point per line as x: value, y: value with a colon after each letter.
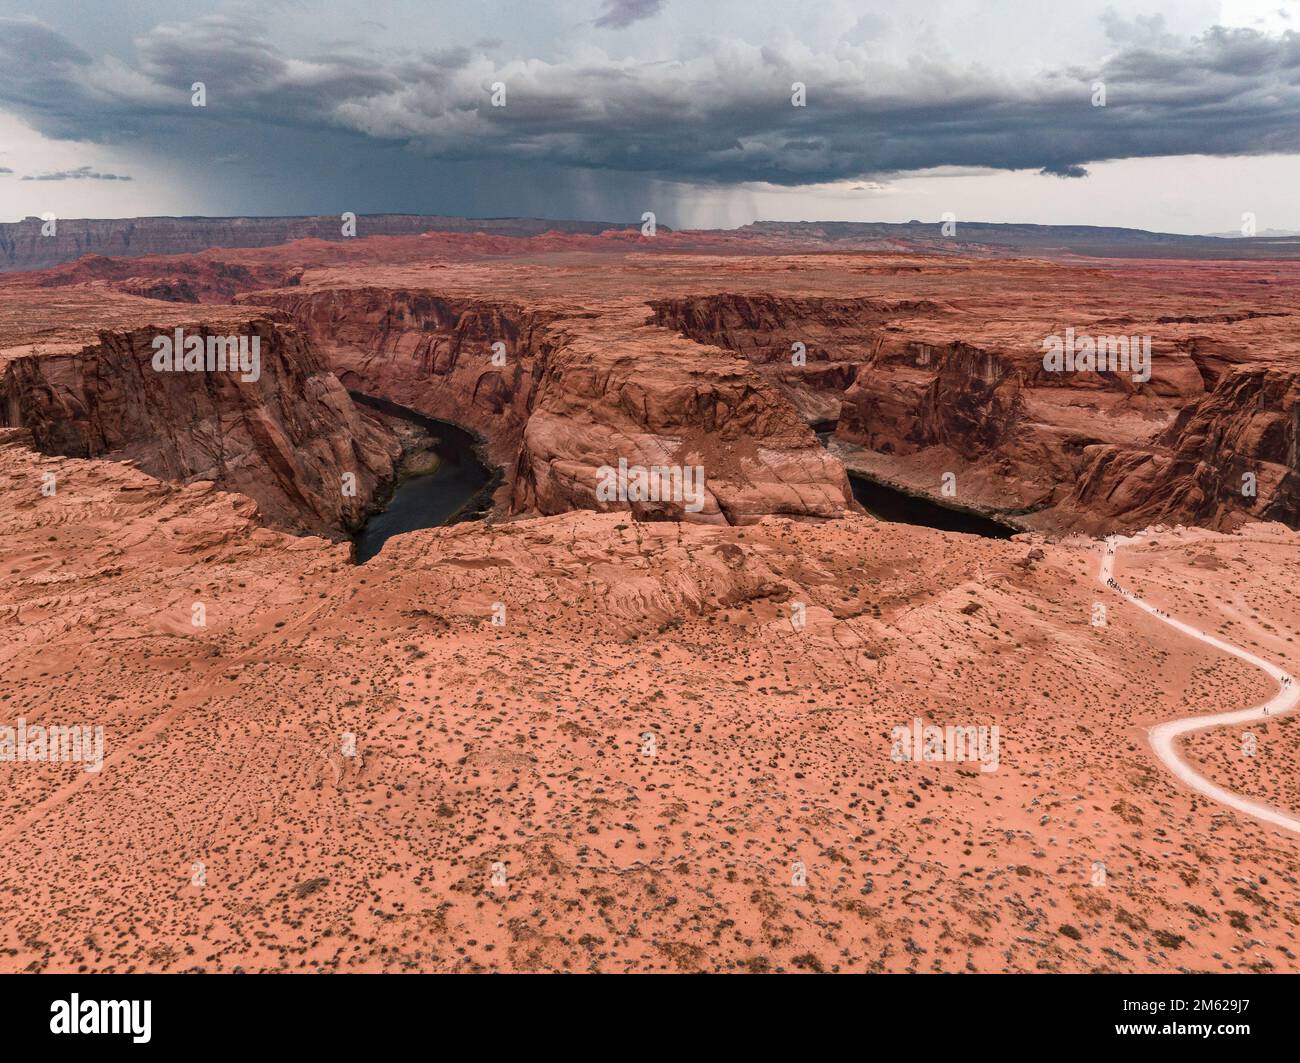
x: 23, y: 247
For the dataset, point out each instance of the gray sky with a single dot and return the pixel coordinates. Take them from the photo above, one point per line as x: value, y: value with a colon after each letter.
x: 984, y: 108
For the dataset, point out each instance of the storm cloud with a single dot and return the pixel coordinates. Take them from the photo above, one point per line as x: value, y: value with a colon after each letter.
x: 722, y: 116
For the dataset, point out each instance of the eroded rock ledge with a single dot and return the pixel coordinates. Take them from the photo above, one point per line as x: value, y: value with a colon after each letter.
x: 579, y: 390
x: 292, y: 439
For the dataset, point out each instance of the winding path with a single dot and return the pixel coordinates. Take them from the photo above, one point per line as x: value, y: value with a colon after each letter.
x: 1163, y: 736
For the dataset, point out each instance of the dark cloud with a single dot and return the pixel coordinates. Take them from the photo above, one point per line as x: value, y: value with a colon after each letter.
x: 1064, y: 171
x: 5, y: 169
x: 244, y: 72
x: 724, y: 116
x: 618, y: 14
x: 81, y: 173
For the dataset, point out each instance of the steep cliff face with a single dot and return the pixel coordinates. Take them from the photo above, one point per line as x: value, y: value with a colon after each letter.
x: 613, y: 388
x: 832, y: 338
x: 918, y: 389
x: 431, y: 353
x: 887, y: 392
x: 579, y: 390
x: 914, y: 395
x: 1232, y: 457
x: 890, y: 398
x: 762, y: 326
x: 288, y: 439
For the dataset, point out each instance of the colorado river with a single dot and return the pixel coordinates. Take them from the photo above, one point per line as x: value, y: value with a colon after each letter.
x: 455, y: 488
x: 888, y: 503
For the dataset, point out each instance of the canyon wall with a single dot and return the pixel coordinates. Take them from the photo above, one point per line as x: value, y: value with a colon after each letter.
x: 579, y: 389
x: 286, y: 439
x: 895, y: 403
x: 920, y: 371
x: 431, y: 353
x: 1232, y: 457
x: 924, y: 389
x: 615, y: 388
x: 834, y: 337
x: 708, y: 379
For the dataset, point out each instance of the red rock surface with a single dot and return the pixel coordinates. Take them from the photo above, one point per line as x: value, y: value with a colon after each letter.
x: 584, y: 384
x: 355, y: 768
x: 937, y: 366
x: 76, y: 371
x: 228, y: 828
x: 1248, y: 426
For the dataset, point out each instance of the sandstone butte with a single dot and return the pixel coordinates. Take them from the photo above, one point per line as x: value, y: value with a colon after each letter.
x: 352, y: 768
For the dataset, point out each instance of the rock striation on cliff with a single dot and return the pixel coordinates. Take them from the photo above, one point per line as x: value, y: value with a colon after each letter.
x: 291, y: 439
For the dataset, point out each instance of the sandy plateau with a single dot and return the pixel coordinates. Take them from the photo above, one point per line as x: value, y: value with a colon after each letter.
x: 650, y: 765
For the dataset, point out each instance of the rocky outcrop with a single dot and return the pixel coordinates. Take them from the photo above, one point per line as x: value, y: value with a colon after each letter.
x: 890, y: 397
x: 1230, y: 458
x: 914, y: 396
x: 762, y: 326
x: 577, y: 391
x: 173, y: 280
x: 654, y: 400
x: 914, y: 404
x: 428, y: 352
x: 808, y: 347
x: 291, y: 439
x: 1016, y: 438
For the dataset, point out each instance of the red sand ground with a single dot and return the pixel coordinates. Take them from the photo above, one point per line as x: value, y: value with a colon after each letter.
x: 353, y: 768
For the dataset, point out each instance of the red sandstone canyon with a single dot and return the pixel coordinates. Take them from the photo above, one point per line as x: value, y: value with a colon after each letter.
x: 575, y: 734
x: 631, y: 487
